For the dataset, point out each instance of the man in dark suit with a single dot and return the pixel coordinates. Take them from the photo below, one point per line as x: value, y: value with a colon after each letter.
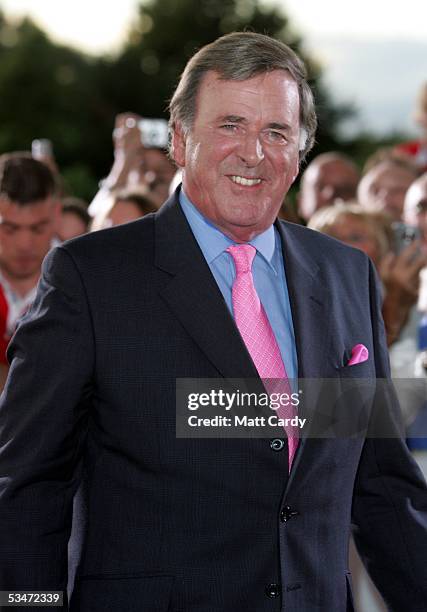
x: 165, y: 523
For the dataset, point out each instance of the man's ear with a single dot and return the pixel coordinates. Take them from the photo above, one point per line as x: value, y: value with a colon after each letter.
x: 178, y: 145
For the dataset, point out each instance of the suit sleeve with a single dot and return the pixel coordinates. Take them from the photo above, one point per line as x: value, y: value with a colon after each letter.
x: 390, y: 498
x: 43, y: 414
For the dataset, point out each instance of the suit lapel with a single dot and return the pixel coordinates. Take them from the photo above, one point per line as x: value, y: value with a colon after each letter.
x: 196, y: 300
x: 311, y: 316
x: 310, y: 302
x: 194, y: 297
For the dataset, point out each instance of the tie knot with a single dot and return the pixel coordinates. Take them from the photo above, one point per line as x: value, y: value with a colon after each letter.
x: 243, y: 255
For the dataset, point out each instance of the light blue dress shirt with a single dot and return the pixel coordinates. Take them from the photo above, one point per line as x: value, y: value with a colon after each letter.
x: 268, y: 272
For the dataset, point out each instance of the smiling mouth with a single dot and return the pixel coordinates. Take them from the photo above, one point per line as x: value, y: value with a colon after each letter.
x: 247, y: 182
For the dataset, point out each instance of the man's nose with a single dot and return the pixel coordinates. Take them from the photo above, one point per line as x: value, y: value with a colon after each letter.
x: 251, y: 151
x: 24, y: 241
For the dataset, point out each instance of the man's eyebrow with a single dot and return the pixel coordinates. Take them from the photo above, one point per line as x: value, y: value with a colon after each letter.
x: 284, y: 127
x: 39, y: 224
x: 231, y: 119
x: 31, y: 226
x: 274, y: 125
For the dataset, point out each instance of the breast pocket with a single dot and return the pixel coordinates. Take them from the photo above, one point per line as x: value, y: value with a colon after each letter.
x: 122, y: 594
x: 349, y: 400
x: 365, y: 369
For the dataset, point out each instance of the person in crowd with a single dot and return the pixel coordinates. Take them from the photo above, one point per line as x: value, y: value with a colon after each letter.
x: 384, y: 185
x: 126, y: 206
x: 415, y: 208
x: 29, y: 212
x: 129, y: 314
x: 403, y: 354
x: 371, y: 232
x: 74, y: 220
x: 383, y: 154
x: 368, y: 231
x: 417, y: 149
x: 136, y: 167
x: 413, y: 349
x: 329, y: 177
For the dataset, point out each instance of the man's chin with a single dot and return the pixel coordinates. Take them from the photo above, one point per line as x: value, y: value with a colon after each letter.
x: 22, y: 273
x: 240, y: 232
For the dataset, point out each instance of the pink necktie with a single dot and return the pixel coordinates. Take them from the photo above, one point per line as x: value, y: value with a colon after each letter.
x: 257, y: 334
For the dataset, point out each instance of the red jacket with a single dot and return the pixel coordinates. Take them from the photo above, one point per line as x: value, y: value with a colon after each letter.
x: 4, y: 338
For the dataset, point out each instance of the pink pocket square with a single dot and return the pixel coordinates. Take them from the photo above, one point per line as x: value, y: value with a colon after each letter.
x: 359, y: 354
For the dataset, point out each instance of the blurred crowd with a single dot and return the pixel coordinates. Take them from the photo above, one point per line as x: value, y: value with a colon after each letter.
x: 380, y: 209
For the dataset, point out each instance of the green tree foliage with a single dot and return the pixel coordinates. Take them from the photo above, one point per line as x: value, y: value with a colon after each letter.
x: 52, y: 91
x: 47, y: 92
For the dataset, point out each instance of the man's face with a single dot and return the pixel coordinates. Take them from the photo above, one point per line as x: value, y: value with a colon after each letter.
x: 415, y: 212
x: 324, y: 183
x: 384, y: 188
x: 241, y: 155
x: 70, y: 225
x: 26, y: 233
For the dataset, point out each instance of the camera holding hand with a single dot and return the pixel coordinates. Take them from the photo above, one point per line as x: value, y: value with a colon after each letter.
x: 133, y: 132
x: 141, y: 163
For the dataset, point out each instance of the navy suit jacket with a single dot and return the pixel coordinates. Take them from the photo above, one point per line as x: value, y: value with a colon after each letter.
x: 165, y: 524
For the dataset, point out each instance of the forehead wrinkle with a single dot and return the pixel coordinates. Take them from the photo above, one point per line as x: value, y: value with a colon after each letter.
x: 250, y: 97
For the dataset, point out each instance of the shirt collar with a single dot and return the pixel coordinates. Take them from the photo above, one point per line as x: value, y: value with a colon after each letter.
x: 13, y: 297
x: 213, y: 242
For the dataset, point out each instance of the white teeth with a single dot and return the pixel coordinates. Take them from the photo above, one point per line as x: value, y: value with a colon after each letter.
x: 240, y: 180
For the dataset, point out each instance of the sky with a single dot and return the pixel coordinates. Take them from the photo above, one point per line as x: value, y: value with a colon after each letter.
x: 373, y: 53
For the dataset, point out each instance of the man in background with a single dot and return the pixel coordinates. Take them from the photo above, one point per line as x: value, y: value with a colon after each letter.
x: 330, y: 177
x: 74, y: 219
x: 29, y: 211
x: 383, y: 187
x: 415, y: 208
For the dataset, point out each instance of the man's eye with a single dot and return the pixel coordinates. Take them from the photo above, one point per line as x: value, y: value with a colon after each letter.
x: 229, y: 127
x: 6, y: 229
x: 277, y: 137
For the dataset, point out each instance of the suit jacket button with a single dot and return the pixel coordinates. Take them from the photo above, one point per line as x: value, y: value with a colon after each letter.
x: 272, y: 590
x: 277, y: 444
x: 287, y: 513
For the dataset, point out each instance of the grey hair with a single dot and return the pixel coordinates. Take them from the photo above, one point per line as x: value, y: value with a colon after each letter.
x: 237, y: 57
